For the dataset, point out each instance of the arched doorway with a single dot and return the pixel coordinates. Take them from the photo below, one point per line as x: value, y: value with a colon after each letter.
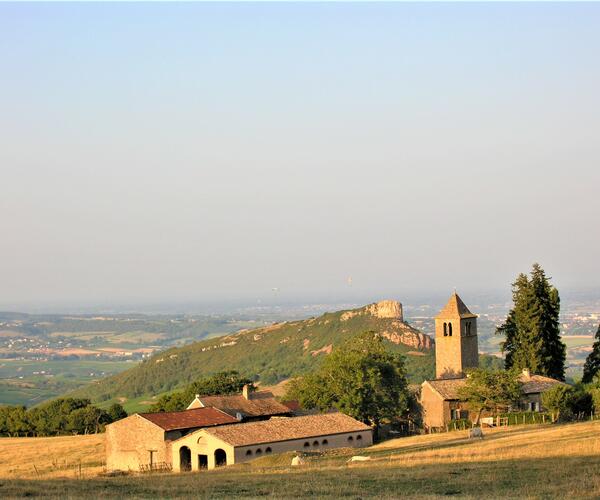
x: 185, y: 459
x: 220, y: 458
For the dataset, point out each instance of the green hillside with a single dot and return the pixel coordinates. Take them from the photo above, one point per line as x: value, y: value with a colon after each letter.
x: 269, y: 354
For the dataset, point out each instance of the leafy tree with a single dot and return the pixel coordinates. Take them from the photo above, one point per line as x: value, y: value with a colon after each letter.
x: 53, y: 418
x: 116, y: 412
x: 61, y: 416
x: 87, y: 420
x: 592, y: 362
x: 360, y: 378
x: 595, y: 394
x: 581, y: 400
x: 226, y: 382
x: 532, y: 330
x: 489, y: 389
x: 14, y: 421
x: 559, y: 400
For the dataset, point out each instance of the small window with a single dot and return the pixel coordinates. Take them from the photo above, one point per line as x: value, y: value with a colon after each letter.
x: 315, y: 443
x: 258, y: 452
x: 306, y: 444
x: 248, y: 452
x: 324, y: 442
x: 268, y: 449
x: 350, y: 439
x: 449, y: 329
x: 359, y: 438
x: 445, y: 330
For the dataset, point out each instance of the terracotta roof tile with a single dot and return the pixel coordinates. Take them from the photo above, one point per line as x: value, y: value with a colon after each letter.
x: 532, y: 384
x: 447, y: 388
x: 455, y: 308
x: 189, y: 419
x: 287, y: 428
x: 260, y: 404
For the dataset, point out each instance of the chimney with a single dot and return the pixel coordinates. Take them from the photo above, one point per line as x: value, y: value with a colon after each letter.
x: 246, y: 391
x: 526, y: 372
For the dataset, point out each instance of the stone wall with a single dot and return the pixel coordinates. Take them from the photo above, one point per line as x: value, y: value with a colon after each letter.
x: 129, y: 442
x: 205, y: 445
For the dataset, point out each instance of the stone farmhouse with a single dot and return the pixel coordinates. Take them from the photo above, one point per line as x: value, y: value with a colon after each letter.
x: 456, y: 350
x: 246, y: 407
x: 231, y: 444
x: 148, y: 441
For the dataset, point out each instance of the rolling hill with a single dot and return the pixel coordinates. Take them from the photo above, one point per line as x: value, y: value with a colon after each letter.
x: 269, y: 354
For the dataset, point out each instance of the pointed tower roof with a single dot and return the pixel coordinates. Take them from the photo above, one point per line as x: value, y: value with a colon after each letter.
x: 455, y: 308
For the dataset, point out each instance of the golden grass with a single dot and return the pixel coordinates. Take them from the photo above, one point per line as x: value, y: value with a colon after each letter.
x: 529, y: 461
x: 49, y: 457
x: 512, y: 443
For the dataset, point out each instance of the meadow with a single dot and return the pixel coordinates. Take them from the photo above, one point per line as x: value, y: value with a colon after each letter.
x: 535, y: 461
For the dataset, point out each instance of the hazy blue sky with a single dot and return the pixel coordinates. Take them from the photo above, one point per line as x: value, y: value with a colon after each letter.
x: 207, y: 152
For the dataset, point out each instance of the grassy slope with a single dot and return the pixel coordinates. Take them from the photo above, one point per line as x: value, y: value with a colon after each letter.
x: 550, y: 461
x: 272, y: 353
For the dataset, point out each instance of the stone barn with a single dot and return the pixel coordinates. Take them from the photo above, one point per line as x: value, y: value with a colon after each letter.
x: 143, y: 441
x: 225, y: 445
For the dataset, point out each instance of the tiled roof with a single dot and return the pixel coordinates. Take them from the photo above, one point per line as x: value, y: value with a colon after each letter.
x: 455, y: 308
x: 286, y: 429
x: 260, y: 404
x: 189, y: 419
x: 533, y: 384
x: 447, y: 388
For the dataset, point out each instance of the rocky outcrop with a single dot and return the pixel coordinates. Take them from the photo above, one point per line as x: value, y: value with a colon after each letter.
x: 324, y: 350
x: 401, y: 333
x: 391, y: 309
x: 386, y: 309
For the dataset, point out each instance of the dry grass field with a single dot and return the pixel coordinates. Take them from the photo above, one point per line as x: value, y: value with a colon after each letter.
x: 37, y: 458
x: 545, y: 461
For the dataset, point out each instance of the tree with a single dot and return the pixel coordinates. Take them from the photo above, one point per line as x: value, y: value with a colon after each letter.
x: 489, y: 389
x: 360, y: 378
x: 558, y: 399
x: 87, y: 420
x: 532, y: 330
x: 595, y: 393
x: 14, y: 421
x: 53, y: 418
x: 225, y: 382
x: 592, y: 362
x: 116, y: 412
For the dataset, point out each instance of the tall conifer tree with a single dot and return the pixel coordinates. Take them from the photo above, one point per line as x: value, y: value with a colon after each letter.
x: 532, y: 328
x: 592, y: 363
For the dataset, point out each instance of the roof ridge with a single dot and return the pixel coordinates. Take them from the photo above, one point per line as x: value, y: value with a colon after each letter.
x: 455, y: 307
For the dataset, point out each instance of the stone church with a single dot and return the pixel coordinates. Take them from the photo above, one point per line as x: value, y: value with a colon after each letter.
x: 456, y: 350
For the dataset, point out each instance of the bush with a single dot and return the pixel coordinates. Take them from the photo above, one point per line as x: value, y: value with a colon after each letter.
x: 559, y: 399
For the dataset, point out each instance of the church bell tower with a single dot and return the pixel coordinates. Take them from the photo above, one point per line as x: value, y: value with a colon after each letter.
x: 455, y: 340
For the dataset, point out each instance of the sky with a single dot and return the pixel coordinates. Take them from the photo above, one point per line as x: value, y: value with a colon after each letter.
x: 295, y: 152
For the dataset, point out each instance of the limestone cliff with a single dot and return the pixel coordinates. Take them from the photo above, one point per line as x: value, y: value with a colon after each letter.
x: 386, y: 309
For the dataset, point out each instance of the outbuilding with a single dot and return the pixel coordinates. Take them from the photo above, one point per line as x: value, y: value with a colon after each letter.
x: 225, y: 445
x: 143, y: 441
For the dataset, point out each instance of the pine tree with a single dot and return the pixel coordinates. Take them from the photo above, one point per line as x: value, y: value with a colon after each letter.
x: 592, y: 362
x: 532, y: 328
